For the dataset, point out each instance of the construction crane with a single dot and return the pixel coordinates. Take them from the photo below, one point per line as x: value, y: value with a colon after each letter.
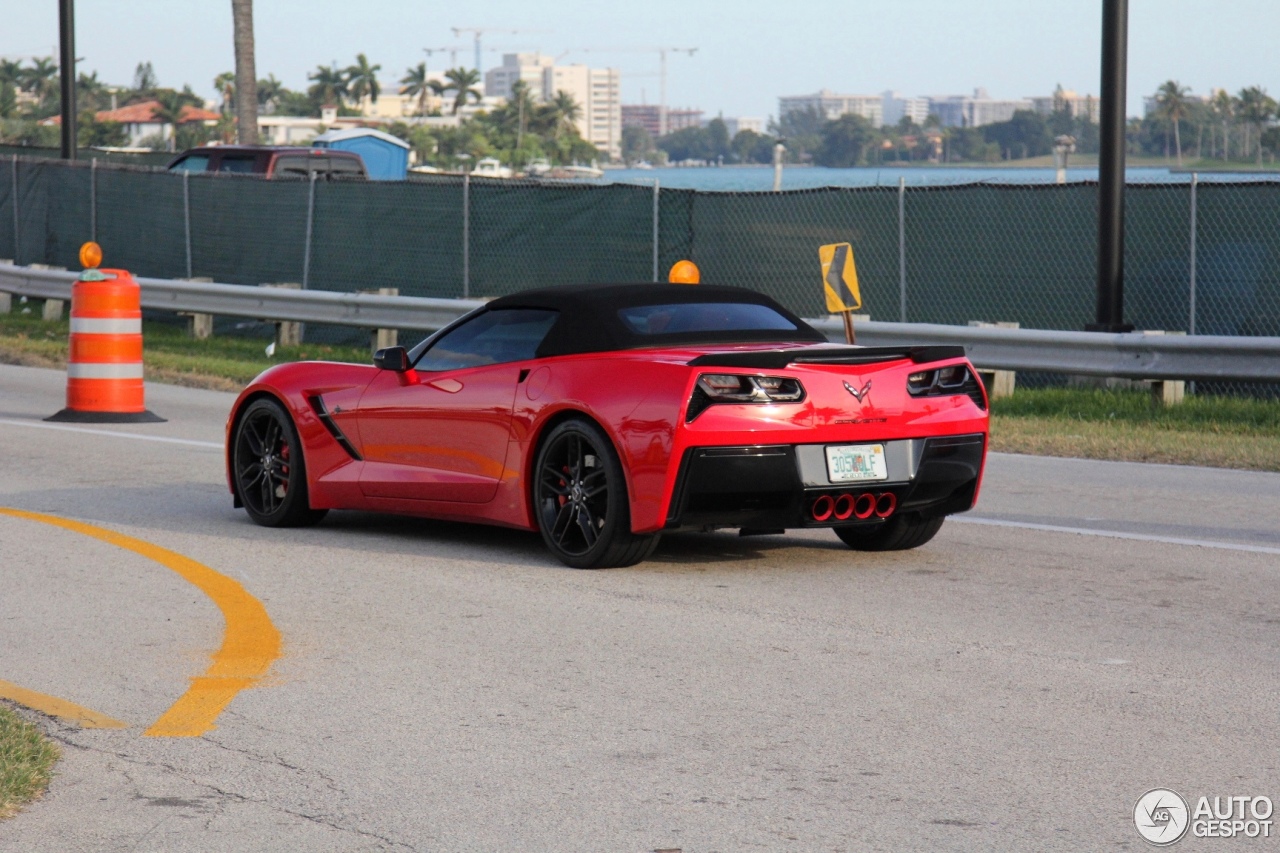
x: 452, y: 50
x: 479, y: 31
x: 662, y: 73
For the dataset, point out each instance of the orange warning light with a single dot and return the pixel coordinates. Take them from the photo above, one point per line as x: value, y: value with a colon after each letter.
x: 684, y: 272
x: 90, y: 255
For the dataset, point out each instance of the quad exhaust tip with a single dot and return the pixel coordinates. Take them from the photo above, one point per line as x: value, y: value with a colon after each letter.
x: 848, y: 505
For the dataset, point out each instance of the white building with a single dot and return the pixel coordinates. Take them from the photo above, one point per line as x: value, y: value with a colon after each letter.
x: 528, y: 67
x: 1079, y: 106
x: 394, y: 104
x: 596, y: 91
x: 894, y: 107
x: 832, y: 105
x: 975, y: 111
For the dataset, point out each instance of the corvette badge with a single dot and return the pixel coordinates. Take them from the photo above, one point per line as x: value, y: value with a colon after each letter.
x: 858, y: 395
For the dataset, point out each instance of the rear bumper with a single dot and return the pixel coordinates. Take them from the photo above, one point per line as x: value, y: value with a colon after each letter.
x: 776, y: 487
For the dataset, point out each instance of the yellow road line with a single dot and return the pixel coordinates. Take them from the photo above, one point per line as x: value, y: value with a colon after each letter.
x: 250, y: 643
x: 60, y: 708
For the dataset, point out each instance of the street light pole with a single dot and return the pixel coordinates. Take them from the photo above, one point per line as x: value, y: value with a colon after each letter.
x: 1115, y: 46
x: 67, y: 73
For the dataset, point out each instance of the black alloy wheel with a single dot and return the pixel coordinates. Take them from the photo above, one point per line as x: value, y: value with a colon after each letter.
x: 902, y: 532
x: 271, y: 477
x: 580, y: 500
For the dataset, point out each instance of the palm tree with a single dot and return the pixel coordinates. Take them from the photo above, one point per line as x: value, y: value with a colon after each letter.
x: 40, y: 79
x: 1171, y: 100
x: 417, y: 85
x: 268, y: 91
x: 169, y: 112
x: 1257, y: 108
x: 329, y: 85
x: 225, y: 83
x: 10, y: 72
x: 362, y: 80
x: 90, y: 90
x: 1224, y: 107
x: 522, y: 100
x: 462, y: 81
x: 567, y: 111
x: 246, y: 74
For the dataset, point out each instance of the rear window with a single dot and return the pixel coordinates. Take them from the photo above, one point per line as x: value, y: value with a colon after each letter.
x: 345, y: 169
x: 191, y: 163
x: 697, y: 317
x: 291, y: 167
x: 237, y: 164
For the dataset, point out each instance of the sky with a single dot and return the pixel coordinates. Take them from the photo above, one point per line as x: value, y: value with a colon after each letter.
x: 749, y: 51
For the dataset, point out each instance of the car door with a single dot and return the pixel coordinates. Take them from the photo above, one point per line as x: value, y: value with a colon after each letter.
x: 440, y: 430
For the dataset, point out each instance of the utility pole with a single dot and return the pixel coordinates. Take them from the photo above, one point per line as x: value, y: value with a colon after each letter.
x: 67, y: 74
x: 246, y: 73
x: 1111, y: 177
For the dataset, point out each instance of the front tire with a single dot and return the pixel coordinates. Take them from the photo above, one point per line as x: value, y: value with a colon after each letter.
x: 271, y: 477
x: 580, y: 500
x: 900, y: 533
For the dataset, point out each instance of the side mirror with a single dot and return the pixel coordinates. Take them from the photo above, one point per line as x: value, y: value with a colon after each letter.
x: 392, y: 358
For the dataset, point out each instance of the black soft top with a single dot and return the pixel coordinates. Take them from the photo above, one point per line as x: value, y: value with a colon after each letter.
x: 589, y: 320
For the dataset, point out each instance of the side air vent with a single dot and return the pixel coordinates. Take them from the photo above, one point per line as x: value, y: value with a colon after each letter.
x: 317, y: 405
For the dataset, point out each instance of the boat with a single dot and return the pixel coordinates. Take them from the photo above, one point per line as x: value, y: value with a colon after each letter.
x: 491, y: 167
x: 576, y: 171
x: 567, y: 173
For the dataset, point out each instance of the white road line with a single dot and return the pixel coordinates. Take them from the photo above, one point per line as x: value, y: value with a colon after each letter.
x: 188, y: 441
x: 1116, y: 534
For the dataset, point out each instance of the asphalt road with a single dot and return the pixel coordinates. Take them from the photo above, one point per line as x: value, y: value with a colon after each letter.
x: 446, y: 687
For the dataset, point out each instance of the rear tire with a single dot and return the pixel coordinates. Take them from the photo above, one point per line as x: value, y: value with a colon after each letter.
x: 900, y: 533
x: 580, y: 500
x: 271, y: 476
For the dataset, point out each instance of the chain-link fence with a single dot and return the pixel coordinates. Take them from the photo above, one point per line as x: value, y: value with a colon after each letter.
x: 1200, y: 257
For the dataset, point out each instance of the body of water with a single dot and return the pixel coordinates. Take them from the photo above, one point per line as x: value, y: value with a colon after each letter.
x: 760, y: 178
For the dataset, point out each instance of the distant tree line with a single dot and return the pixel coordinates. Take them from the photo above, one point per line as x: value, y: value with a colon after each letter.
x: 1229, y: 128
x: 521, y: 130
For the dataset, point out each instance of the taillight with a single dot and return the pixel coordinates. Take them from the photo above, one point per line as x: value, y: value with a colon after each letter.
x: 715, y: 388
x: 946, y: 381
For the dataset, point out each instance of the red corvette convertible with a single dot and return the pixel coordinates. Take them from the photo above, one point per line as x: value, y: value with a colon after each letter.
x: 603, y: 415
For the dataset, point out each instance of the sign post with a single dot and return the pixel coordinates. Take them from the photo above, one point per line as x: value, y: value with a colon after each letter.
x: 840, y: 283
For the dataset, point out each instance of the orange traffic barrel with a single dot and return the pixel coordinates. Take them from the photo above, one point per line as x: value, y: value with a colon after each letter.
x: 104, y: 364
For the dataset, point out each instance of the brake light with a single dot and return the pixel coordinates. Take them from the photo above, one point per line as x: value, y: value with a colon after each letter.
x: 946, y: 381
x: 715, y: 388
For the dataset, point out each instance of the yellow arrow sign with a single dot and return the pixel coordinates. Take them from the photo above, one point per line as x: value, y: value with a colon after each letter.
x: 839, y: 278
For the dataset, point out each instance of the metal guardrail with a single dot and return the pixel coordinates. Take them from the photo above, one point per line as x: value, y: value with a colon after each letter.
x: 1134, y: 355
x: 363, y: 310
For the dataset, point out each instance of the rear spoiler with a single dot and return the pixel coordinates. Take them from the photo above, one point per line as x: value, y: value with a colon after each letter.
x: 774, y: 359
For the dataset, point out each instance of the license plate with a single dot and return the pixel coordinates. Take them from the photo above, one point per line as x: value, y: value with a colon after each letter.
x: 850, y: 463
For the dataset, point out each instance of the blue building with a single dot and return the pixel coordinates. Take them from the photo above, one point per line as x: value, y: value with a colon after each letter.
x: 386, y: 158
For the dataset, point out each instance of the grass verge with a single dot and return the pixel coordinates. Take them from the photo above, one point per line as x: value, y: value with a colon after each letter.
x: 219, y: 363
x: 26, y: 762
x: 1222, y: 432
